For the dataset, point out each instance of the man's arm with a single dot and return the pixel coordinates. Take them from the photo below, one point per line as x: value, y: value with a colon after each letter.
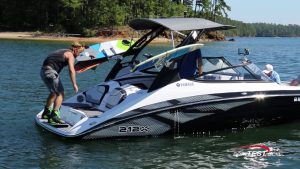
x: 277, y: 77
x: 71, y: 60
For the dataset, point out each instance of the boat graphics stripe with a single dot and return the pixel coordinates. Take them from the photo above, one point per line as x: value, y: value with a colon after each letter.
x: 191, y: 108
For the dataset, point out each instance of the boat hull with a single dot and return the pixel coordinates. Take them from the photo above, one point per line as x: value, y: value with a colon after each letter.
x: 192, y: 116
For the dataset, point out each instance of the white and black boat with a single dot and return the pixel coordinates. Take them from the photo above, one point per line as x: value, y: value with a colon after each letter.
x: 149, y: 98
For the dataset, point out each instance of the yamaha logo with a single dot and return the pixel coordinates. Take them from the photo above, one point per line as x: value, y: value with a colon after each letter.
x: 184, y: 84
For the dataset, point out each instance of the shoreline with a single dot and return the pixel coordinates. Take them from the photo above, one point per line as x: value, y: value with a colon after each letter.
x: 37, y: 36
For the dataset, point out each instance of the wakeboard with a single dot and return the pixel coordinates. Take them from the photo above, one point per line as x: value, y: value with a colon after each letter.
x: 97, y: 53
x: 86, y: 65
x: 57, y: 125
x: 104, y: 49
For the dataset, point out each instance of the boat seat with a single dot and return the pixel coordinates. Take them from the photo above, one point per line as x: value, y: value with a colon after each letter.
x: 96, y: 94
x: 117, y: 95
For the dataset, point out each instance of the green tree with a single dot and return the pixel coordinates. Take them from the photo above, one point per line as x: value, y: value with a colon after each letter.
x: 76, y: 16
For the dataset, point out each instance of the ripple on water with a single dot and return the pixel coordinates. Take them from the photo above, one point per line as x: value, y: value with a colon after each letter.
x: 24, y: 145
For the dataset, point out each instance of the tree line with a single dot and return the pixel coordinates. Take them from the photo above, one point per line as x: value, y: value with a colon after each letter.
x: 82, y: 16
x: 260, y: 29
x: 75, y: 15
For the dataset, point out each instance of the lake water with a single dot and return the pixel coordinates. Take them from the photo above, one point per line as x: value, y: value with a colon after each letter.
x: 24, y: 145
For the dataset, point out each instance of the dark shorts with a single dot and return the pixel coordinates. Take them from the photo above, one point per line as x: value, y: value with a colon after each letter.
x: 52, y: 80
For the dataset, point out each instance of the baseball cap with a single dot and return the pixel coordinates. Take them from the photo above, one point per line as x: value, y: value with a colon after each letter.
x: 268, y: 69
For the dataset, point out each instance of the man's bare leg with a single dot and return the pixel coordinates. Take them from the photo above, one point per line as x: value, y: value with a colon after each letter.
x: 50, y: 99
x: 58, y: 101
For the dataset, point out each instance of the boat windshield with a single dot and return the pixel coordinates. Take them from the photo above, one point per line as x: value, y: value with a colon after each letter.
x: 218, y: 68
x: 257, y: 71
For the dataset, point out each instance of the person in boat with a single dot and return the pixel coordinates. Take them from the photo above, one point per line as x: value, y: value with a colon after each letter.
x: 49, y: 73
x: 271, y: 73
x: 191, y: 65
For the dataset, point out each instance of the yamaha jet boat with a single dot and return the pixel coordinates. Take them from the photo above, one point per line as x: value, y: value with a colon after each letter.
x: 149, y: 98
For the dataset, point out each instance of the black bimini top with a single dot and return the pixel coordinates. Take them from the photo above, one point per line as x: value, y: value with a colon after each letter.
x: 178, y: 24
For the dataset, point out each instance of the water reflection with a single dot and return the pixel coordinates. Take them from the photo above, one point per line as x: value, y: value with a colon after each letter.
x: 215, y: 151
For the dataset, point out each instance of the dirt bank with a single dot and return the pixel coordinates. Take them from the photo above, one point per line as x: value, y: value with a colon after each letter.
x: 62, y: 37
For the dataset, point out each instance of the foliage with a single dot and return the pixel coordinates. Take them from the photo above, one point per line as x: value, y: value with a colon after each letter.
x: 86, y: 16
x: 88, y: 32
x: 260, y: 29
x: 74, y: 15
x: 211, y: 9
